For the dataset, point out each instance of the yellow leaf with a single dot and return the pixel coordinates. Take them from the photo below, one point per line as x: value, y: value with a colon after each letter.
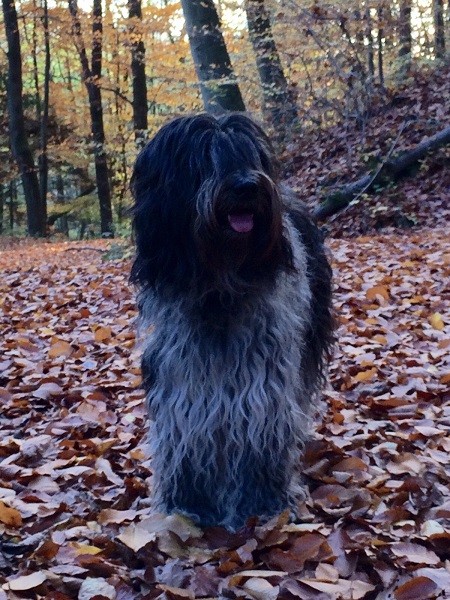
x: 84, y: 548
x: 137, y: 454
x: 46, y: 331
x: 436, y: 321
x: 365, y: 375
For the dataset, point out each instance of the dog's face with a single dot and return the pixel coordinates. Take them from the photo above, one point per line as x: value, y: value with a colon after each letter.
x: 207, y: 206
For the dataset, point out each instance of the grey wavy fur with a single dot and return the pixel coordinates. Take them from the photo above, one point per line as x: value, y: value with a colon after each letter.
x: 230, y: 393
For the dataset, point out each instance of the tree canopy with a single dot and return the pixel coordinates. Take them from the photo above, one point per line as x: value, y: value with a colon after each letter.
x: 97, y: 80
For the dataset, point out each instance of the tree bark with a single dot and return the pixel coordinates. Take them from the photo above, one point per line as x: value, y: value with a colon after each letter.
x: 60, y: 197
x: 218, y: 86
x: 91, y: 76
x: 278, y: 104
x: 2, y: 206
x: 439, y: 28
x: 404, y: 34
x: 393, y: 170
x: 380, y: 37
x: 370, y: 44
x: 43, y: 134
x: 36, y: 220
x: 140, y: 103
x: 12, y: 203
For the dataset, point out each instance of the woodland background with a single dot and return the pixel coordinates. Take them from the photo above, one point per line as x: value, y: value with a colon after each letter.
x: 87, y: 84
x: 356, y: 97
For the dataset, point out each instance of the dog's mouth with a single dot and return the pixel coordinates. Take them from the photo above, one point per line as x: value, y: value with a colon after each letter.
x: 241, y: 222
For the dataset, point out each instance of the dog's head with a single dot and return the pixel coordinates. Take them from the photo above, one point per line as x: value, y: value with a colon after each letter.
x: 208, y: 210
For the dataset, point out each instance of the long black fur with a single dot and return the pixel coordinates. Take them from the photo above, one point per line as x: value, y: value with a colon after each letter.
x: 186, y: 182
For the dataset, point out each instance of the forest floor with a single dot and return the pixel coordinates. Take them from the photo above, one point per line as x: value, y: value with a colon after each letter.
x: 75, y: 520
x: 318, y: 160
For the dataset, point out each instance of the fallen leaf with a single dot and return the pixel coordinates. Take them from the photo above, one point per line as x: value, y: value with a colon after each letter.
x: 10, y: 516
x: 27, y: 582
x: 417, y: 588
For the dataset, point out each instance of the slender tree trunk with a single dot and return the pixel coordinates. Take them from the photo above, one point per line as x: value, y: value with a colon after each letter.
x: 405, y: 34
x: 380, y: 36
x: 2, y: 206
x: 12, y: 203
x: 35, y: 63
x: 279, y: 107
x: 43, y: 134
x: 218, y: 86
x: 370, y: 44
x: 439, y: 29
x: 91, y: 78
x: 140, y: 103
x: 60, y: 197
x: 359, y: 35
x: 19, y: 143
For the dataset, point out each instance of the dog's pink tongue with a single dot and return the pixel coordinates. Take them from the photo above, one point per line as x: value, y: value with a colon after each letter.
x: 242, y: 223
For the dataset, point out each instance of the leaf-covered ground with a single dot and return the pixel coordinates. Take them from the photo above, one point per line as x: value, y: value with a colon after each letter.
x: 75, y: 520
x: 320, y: 159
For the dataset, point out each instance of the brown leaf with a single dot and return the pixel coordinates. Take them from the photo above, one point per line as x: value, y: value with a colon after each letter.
x: 10, y: 516
x: 175, y: 593
x: 417, y: 588
x: 60, y: 348
x: 415, y: 553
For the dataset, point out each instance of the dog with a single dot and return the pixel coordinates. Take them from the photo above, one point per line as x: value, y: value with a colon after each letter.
x: 234, y: 298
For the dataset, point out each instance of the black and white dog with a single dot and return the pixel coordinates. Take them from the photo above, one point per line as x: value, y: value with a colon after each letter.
x: 234, y: 292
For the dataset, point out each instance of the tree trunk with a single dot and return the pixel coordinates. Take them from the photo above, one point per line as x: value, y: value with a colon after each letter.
x: 278, y: 104
x: 2, y: 206
x: 370, y: 44
x: 12, y: 203
x: 19, y: 143
x: 439, y: 29
x: 393, y: 170
x: 43, y: 134
x: 140, y: 103
x: 218, y: 86
x: 380, y: 37
x: 91, y: 78
x: 404, y: 34
x: 34, y: 44
x: 63, y: 225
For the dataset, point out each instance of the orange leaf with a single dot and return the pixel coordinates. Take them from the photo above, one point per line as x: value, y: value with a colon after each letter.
x: 10, y: 516
x: 376, y: 292
x: 416, y: 589
x: 102, y: 334
x: 60, y: 348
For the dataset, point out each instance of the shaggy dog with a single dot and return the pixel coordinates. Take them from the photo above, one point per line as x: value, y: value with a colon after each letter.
x: 234, y: 292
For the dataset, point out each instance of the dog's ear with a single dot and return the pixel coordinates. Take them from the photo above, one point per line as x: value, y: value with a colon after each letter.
x: 161, y: 213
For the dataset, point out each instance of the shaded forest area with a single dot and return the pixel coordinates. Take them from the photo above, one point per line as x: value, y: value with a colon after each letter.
x: 345, y: 88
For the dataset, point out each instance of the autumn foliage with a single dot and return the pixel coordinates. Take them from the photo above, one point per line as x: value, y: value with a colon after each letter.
x: 75, y: 519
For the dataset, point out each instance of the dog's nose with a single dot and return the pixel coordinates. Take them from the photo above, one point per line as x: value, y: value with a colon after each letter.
x: 246, y: 188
